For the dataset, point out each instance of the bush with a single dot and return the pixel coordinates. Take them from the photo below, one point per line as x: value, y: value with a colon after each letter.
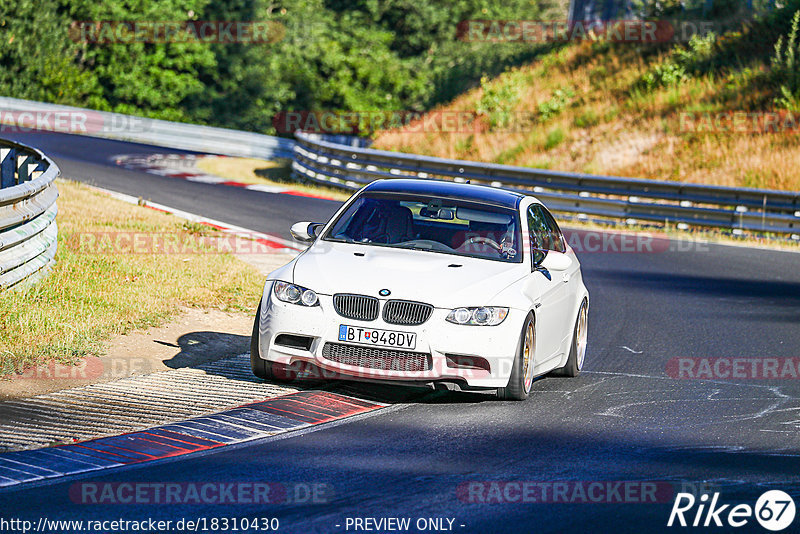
x: 343, y: 55
x: 587, y: 119
x: 784, y: 68
x: 558, y: 101
x: 664, y: 74
x: 681, y: 63
x: 37, y: 58
x: 498, y: 99
x: 554, y: 138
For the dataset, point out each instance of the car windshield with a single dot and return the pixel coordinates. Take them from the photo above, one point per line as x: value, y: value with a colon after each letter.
x: 442, y: 225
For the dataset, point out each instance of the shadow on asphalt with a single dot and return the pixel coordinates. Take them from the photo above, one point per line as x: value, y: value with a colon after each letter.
x: 197, y: 349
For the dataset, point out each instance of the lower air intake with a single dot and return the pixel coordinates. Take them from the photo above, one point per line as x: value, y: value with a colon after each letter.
x: 376, y: 358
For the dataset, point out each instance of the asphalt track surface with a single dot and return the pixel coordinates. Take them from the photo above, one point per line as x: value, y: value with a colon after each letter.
x: 623, y: 419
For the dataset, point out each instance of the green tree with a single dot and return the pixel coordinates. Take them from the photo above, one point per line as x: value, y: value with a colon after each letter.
x: 144, y: 78
x: 38, y: 59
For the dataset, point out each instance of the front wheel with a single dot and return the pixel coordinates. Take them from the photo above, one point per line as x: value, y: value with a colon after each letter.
x: 519, y: 385
x: 577, y: 352
x: 261, y: 367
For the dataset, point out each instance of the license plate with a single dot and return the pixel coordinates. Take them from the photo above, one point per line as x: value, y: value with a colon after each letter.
x: 377, y: 337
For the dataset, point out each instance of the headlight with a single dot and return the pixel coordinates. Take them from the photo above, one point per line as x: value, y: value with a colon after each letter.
x: 295, y: 294
x: 483, y: 316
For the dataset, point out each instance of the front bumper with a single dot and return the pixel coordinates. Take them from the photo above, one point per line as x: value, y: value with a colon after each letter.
x: 497, y: 345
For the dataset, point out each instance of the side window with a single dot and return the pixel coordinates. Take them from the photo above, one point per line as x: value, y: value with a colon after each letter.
x: 537, y: 234
x: 544, y: 231
x: 556, y: 237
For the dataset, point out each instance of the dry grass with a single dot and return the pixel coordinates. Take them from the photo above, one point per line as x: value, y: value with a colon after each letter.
x: 610, y: 127
x: 259, y: 171
x: 91, y: 296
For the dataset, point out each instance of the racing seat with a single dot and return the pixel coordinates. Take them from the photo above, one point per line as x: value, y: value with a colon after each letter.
x: 399, y: 224
x: 384, y: 223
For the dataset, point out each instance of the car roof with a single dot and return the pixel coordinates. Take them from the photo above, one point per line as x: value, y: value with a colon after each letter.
x: 440, y: 188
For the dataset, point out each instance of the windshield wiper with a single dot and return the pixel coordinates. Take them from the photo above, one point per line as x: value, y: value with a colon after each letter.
x: 414, y: 247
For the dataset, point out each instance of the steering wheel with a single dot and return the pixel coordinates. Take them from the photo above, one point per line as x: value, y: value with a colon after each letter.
x: 485, y: 240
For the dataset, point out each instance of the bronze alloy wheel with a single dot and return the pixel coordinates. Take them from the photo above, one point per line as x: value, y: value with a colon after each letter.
x: 580, y: 336
x: 521, y: 379
x: 527, y: 357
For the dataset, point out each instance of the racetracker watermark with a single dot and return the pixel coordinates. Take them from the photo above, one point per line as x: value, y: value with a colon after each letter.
x: 69, y: 121
x: 631, y: 243
x: 471, y: 122
x: 735, y: 368
x: 563, y: 492
x: 208, y: 492
x: 560, y: 31
x: 537, y: 31
x: 740, y: 122
x: 90, y: 368
x: 162, y: 31
x: 359, y: 122
x: 178, y: 243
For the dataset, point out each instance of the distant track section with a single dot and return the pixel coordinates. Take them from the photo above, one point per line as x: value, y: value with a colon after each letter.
x: 24, y: 115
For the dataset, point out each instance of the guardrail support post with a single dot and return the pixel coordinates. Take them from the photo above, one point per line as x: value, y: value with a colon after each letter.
x: 7, y: 168
x: 23, y: 172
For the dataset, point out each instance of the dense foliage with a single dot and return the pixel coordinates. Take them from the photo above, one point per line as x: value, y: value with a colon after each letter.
x: 333, y: 55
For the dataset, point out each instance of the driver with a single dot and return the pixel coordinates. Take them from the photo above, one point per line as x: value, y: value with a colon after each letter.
x: 492, y: 231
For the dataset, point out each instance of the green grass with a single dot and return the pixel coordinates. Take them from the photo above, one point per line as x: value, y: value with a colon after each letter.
x: 554, y: 138
x: 97, y: 289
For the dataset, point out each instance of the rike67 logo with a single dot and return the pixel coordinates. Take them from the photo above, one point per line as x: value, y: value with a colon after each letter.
x: 774, y: 510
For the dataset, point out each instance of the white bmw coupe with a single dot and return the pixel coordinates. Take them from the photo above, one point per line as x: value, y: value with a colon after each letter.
x: 423, y: 281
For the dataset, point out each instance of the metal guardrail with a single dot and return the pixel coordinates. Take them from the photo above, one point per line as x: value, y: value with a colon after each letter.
x: 28, y: 230
x: 206, y: 139
x: 330, y: 161
x: 583, y: 195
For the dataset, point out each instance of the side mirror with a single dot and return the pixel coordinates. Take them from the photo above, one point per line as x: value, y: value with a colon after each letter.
x: 305, y: 232
x: 555, y: 261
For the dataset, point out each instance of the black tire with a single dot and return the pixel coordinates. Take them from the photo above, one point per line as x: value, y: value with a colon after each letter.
x: 516, y: 389
x: 261, y: 367
x: 573, y: 366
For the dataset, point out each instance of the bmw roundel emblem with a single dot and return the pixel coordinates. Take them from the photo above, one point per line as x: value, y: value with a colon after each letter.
x: 384, y: 292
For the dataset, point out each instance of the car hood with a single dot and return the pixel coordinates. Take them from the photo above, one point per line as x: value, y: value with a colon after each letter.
x: 429, y: 277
